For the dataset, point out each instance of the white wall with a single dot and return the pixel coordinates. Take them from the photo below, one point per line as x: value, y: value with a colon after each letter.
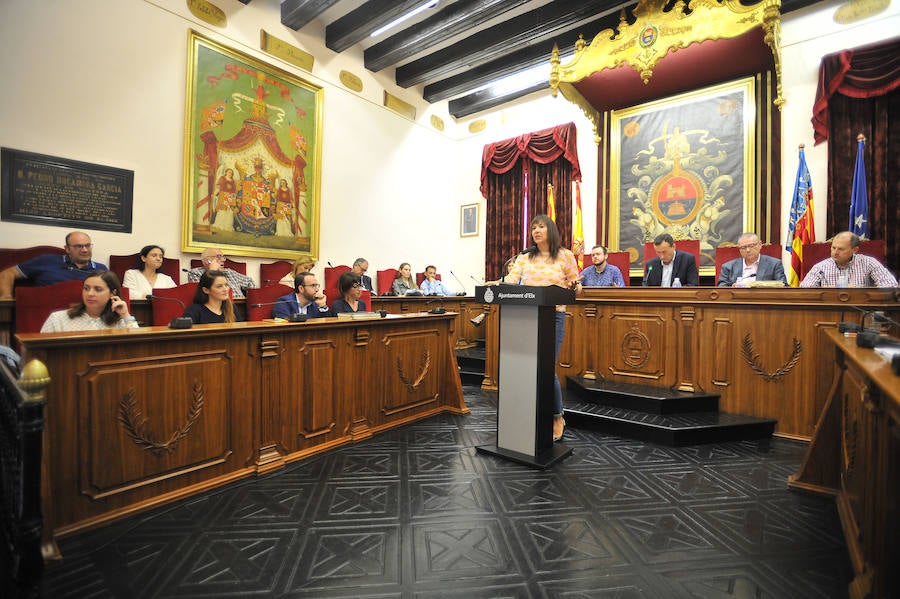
x: 102, y: 81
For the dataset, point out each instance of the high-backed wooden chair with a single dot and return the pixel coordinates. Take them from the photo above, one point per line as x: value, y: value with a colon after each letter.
x: 119, y: 264
x: 240, y: 267
x: 12, y: 256
x: 385, y: 279
x: 691, y: 246
x: 170, y: 303
x: 332, y: 274
x: 273, y: 272
x: 813, y: 253
x: 420, y: 276
x: 34, y: 304
x: 727, y: 253
x: 265, y: 296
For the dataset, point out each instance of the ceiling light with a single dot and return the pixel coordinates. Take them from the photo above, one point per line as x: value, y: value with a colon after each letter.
x: 409, y: 15
x: 521, y: 80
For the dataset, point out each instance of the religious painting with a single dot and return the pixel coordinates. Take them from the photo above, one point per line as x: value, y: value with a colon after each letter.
x: 684, y: 165
x: 252, y: 165
x: 468, y: 220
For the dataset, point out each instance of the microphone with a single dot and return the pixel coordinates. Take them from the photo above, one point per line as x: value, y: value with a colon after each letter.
x: 295, y: 317
x: 529, y: 249
x: 437, y: 309
x: 179, y: 322
x: 460, y: 283
x: 477, y: 282
x: 329, y: 264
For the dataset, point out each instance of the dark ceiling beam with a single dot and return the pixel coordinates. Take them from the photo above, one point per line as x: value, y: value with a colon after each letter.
x: 244, y: 1
x: 540, y: 24
x: 297, y: 13
x: 486, y: 99
x: 457, y: 18
x: 357, y: 24
x: 518, y: 61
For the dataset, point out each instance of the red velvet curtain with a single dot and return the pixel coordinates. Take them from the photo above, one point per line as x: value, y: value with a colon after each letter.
x: 547, y: 155
x: 859, y: 92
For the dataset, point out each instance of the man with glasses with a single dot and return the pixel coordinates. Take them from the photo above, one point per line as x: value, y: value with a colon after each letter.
x: 751, y: 266
x: 360, y: 266
x: 47, y: 269
x: 214, y: 259
x: 307, y: 299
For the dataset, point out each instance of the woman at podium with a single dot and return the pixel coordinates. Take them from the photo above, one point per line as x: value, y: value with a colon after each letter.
x: 548, y: 263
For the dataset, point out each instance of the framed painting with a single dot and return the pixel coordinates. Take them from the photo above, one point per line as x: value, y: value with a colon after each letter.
x: 684, y: 165
x: 252, y: 156
x: 468, y: 220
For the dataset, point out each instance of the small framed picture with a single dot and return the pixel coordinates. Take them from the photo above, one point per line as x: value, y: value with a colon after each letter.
x: 468, y: 220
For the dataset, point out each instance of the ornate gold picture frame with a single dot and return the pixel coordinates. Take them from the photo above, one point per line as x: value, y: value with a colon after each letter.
x: 684, y: 165
x: 252, y: 155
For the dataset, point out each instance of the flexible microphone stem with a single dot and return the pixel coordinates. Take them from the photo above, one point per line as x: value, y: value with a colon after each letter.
x: 452, y: 274
x: 295, y: 317
x: 179, y: 322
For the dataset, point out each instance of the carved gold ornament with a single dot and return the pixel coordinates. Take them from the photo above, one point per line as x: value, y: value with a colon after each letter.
x: 751, y: 356
x: 136, y: 424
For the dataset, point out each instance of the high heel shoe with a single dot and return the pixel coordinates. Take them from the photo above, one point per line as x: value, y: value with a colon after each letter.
x: 559, y: 426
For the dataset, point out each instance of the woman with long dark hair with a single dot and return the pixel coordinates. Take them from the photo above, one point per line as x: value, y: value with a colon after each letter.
x: 212, y: 300
x: 548, y: 263
x: 100, y: 308
x: 142, y: 280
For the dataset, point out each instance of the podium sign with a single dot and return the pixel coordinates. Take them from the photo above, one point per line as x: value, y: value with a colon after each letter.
x: 525, y: 380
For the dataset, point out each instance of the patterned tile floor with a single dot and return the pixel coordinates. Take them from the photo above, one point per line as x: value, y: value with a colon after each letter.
x: 416, y: 513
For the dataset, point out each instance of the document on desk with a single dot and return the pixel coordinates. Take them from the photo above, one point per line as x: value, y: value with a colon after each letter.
x: 887, y: 352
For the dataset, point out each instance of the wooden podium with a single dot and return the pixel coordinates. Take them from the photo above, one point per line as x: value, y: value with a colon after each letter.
x: 526, y: 366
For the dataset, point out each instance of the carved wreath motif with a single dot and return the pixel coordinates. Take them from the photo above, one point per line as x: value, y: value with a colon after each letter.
x: 751, y: 356
x: 136, y: 424
x: 425, y: 364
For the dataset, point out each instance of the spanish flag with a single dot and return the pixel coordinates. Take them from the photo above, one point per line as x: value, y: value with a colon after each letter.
x: 578, y: 229
x: 551, y: 203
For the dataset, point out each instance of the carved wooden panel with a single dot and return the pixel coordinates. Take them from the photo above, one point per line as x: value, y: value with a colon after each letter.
x: 635, y: 346
x: 410, y: 367
x: 147, y: 419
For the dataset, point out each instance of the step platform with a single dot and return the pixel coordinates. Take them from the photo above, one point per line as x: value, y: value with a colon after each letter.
x: 470, y: 363
x: 647, y: 414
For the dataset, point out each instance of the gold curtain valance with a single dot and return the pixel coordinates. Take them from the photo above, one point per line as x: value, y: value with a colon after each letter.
x: 656, y: 34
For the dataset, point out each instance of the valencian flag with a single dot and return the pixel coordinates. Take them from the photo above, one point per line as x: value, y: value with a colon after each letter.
x: 578, y: 229
x: 551, y: 203
x: 801, y: 228
x: 859, y: 198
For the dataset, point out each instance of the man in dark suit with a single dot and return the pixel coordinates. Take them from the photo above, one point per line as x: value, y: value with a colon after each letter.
x: 751, y: 266
x: 670, y: 265
x: 307, y: 299
x: 360, y: 266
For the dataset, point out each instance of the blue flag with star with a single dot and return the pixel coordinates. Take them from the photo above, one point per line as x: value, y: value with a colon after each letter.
x: 859, y: 198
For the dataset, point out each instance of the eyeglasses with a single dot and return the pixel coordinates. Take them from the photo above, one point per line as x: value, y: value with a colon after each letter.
x: 750, y: 246
x: 356, y: 285
x: 82, y: 246
x: 218, y: 257
x: 314, y: 285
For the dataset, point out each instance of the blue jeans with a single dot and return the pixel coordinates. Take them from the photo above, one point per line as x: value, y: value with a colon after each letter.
x: 557, y: 389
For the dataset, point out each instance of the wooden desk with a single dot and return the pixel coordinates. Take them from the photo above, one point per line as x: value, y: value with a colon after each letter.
x: 855, y: 456
x: 140, y: 417
x: 764, y: 350
x: 465, y: 333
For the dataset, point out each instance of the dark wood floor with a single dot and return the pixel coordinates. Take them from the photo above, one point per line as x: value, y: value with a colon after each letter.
x: 416, y: 513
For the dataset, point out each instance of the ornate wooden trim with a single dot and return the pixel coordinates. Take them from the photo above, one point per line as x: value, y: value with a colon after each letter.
x: 424, y: 367
x: 751, y: 357
x: 135, y: 423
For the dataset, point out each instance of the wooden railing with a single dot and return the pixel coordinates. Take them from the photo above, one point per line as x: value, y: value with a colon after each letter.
x: 21, y: 428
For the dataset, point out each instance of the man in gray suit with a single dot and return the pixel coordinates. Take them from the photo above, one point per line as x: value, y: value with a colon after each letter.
x: 751, y: 266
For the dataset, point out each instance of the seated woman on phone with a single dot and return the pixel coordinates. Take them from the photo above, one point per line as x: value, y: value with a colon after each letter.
x: 100, y: 308
x: 404, y: 283
x: 350, y: 288
x: 142, y: 280
x: 212, y: 300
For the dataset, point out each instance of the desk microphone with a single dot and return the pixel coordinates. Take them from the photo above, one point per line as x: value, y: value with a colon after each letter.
x: 437, y: 309
x: 477, y: 282
x: 179, y: 322
x: 329, y: 264
x: 295, y: 317
x: 460, y: 283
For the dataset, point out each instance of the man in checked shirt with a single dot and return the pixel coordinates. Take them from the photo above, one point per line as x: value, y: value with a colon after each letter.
x: 847, y: 267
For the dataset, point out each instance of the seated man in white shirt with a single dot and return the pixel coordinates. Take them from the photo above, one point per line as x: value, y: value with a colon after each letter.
x: 430, y: 285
